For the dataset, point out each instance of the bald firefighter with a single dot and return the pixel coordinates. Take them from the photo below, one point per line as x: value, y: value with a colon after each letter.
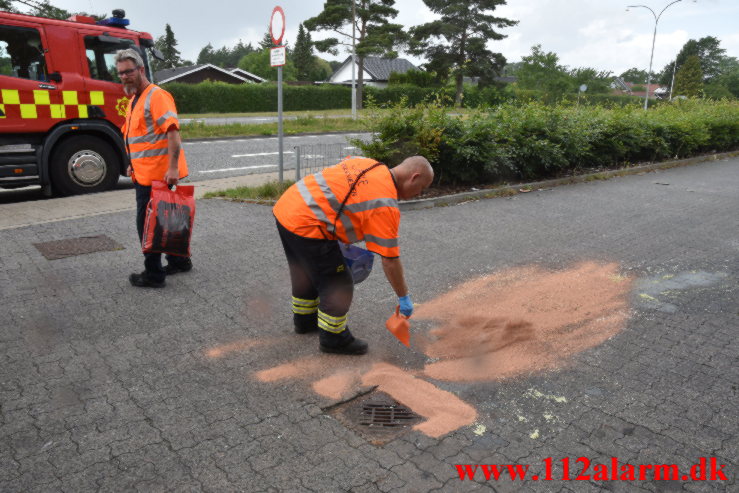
x: 355, y: 200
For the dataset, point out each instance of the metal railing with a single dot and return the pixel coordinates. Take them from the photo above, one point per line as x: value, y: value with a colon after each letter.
x: 312, y: 158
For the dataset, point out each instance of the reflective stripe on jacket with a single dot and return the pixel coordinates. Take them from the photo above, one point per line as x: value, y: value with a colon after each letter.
x: 309, y: 207
x: 145, y: 131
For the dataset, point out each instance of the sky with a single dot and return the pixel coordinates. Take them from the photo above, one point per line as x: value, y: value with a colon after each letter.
x: 600, y: 34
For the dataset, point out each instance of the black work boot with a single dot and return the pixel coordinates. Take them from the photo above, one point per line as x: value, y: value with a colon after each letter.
x: 342, y: 343
x: 176, y: 266
x: 144, y: 281
x: 305, y: 323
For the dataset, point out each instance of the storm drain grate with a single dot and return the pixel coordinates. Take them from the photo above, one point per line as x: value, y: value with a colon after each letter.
x: 377, y: 417
x: 54, y: 250
x: 388, y: 416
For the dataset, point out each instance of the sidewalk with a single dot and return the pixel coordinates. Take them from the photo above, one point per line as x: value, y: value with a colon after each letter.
x: 79, y: 206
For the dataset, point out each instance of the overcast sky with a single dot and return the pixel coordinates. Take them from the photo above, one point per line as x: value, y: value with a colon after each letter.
x: 584, y: 33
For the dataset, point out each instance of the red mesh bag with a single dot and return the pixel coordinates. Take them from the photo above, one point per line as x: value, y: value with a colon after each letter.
x: 169, y: 219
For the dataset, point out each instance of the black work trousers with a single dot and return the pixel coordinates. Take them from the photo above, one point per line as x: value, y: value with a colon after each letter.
x: 152, y: 261
x: 317, y: 270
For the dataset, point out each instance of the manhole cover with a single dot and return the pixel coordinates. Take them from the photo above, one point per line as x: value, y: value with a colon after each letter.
x: 377, y: 417
x: 54, y: 250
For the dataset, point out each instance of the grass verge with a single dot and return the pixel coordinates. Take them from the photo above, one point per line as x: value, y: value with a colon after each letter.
x: 268, y: 191
x: 305, y: 124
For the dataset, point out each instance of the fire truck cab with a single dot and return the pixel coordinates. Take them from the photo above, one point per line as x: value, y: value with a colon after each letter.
x: 61, y: 102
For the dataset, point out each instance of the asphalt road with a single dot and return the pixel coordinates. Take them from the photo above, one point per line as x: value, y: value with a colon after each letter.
x: 233, y: 157
x: 105, y: 387
x: 209, y: 159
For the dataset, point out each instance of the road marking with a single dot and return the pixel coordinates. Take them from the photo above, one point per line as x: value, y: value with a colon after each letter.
x: 262, y: 154
x: 222, y: 170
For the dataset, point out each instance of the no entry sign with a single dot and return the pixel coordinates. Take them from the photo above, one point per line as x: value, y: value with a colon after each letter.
x: 277, y: 25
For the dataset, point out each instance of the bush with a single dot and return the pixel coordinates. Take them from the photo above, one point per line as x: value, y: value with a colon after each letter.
x: 537, y: 141
x: 219, y: 97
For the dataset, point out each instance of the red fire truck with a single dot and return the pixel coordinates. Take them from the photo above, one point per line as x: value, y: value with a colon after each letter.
x: 61, y: 101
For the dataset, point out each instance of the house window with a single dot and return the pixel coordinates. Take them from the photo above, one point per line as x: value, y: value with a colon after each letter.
x: 21, y: 53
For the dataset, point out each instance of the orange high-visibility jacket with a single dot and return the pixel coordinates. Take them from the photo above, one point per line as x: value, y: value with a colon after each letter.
x: 309, y: 207
x: 145, y: 133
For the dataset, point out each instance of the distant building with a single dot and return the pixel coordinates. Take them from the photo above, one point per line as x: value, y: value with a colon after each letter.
x: 194, y: 74
x: 656, y: 91
x: 376, y: 71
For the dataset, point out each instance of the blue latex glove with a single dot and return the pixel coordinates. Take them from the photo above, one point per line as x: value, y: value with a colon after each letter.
x: 406, y: 305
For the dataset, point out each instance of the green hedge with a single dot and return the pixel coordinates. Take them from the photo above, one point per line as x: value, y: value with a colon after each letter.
x: 537, y: 141
x: 219, y: 97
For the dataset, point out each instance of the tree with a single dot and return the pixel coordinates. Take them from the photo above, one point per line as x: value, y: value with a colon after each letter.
x: 419, y: 78
x: 258, y: 63
x: 237, y: 53
x: 303, y: 54
x: 709, y: 52
x: 170, y: 51
x: 729, y: 77
x: 456, y: 44
x: 39, y: 8
x: 541, y: 71
x: 635, y: 76
x: 375, y: 35
x: 321, y: 69
x: 266, y: 41
x: 167, y: 44
x: 205, y: 55
x: 689, y: 79
x: 598, y: 81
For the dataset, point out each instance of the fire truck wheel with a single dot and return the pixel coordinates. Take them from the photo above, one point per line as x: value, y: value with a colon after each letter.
x: 83, y: 164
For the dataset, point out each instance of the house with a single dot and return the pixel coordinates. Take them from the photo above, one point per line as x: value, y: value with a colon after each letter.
x: 656, y: 91
x: 193, y: 74
x: 376, y: 70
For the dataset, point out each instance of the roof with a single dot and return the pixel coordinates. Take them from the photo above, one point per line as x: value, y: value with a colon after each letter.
x: 247, y: 75
x: 381, y: 68
x: 172, y: 74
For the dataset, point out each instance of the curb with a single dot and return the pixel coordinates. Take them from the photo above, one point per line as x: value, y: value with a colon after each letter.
x: 515, y: 189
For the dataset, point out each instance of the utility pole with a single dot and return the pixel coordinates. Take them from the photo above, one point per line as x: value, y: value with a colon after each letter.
x: 672, y: 84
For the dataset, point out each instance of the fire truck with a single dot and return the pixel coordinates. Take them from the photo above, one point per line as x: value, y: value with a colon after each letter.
x: 61, y: 101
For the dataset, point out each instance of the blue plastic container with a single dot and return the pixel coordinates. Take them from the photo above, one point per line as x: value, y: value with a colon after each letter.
x: 358, y: 260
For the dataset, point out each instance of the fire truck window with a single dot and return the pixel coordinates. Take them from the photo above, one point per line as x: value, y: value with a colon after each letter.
x: 100, y: 59
x: 21, y: 53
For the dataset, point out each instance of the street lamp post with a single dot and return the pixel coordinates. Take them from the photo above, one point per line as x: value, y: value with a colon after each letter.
x: 354, y: 59
x: 654, y: 37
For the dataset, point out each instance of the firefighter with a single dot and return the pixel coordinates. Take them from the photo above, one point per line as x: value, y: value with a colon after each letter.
x: 352, y: 201
x: 152, y: 138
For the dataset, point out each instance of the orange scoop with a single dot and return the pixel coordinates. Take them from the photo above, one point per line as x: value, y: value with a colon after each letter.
x: 399, y: 326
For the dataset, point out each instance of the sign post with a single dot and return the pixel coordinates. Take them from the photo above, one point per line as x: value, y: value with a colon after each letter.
x: 278, y: 59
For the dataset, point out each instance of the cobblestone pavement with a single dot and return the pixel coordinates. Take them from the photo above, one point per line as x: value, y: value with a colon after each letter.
x: 104, y: 387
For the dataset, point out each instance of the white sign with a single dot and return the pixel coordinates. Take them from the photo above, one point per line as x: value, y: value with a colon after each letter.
x: 277, y: 56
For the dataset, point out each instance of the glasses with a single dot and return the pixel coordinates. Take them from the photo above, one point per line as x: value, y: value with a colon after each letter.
x: 126, y: 73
